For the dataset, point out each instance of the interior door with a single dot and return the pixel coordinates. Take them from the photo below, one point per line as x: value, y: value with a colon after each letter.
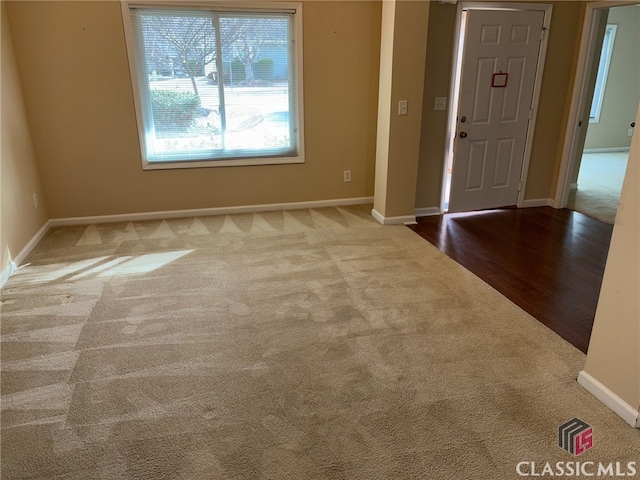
x: 499, y: 62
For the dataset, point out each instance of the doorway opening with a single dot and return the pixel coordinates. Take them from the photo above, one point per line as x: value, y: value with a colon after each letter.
x: 491, y: 120
x: 453, y: 117
x: 600, y: 165
x: 603, y: 111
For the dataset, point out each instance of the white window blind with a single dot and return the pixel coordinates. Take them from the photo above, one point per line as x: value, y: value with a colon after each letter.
x: 215, y: 86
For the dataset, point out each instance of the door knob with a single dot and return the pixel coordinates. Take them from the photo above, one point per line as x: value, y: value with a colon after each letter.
x: 633, y: 124
x: 463, y: 135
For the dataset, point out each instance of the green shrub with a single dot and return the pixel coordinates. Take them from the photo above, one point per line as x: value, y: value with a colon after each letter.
x: 263, y: 69
x: 173, y: 111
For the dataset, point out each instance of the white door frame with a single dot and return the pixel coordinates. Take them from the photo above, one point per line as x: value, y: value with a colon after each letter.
x: 579, y: 95
x: 452, y: 106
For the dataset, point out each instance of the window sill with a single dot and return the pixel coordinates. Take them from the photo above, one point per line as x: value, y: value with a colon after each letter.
x: 243, y: 162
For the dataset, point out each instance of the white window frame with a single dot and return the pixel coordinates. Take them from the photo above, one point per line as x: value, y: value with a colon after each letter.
x: 238, y: 6
x: 603, y: 72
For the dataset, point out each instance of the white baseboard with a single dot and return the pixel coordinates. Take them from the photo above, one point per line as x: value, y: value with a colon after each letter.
x: 201, y: 212
x: 24, y: 253
x: 606, y: 150
x: 610, y: 399
x: 400, y: 220
x: 7, y: 272
x: 537, y: 202
x: 427, y: 211
x: 129, y: 217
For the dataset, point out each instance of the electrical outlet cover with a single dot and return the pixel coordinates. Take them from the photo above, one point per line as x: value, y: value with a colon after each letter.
x: 440, y: 103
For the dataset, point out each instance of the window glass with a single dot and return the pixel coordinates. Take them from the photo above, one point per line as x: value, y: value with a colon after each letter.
x: 215, y: 87
x: 603, y: 71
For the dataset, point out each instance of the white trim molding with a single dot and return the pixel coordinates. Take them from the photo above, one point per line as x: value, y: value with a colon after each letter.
x: 400, y: 220
x: 427, y: 211
x: 7, y: 272
x: 24, y: 253
x: 606, y: 150
x: 202, y: 212
x: 537, y: 202
x: 610, y: 399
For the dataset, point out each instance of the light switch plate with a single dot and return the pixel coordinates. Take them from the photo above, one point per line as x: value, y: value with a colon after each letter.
x: 403, y: 107
x: 440, y: 103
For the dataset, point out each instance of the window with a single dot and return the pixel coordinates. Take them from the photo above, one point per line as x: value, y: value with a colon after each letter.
x: 216, y: 86
x: 603, y: 71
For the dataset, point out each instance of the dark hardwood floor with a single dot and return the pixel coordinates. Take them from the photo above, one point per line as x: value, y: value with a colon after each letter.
x: 549, y: 262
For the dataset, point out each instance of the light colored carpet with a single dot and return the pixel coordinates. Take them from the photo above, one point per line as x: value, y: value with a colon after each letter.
x: 309, y: 344
x: 599, y: 185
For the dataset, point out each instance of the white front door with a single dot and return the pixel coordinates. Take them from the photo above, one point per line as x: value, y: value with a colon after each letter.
x: 499, y: 63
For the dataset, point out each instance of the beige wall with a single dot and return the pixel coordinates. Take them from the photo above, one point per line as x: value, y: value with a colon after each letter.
x: 77, y: 88
x: 19, y: 180
x: 402, y: 78
x: 614, y: 350
x: 622, y: 92
x: 384, y: 105
x: 78, y: 94
x: 566, y: 24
